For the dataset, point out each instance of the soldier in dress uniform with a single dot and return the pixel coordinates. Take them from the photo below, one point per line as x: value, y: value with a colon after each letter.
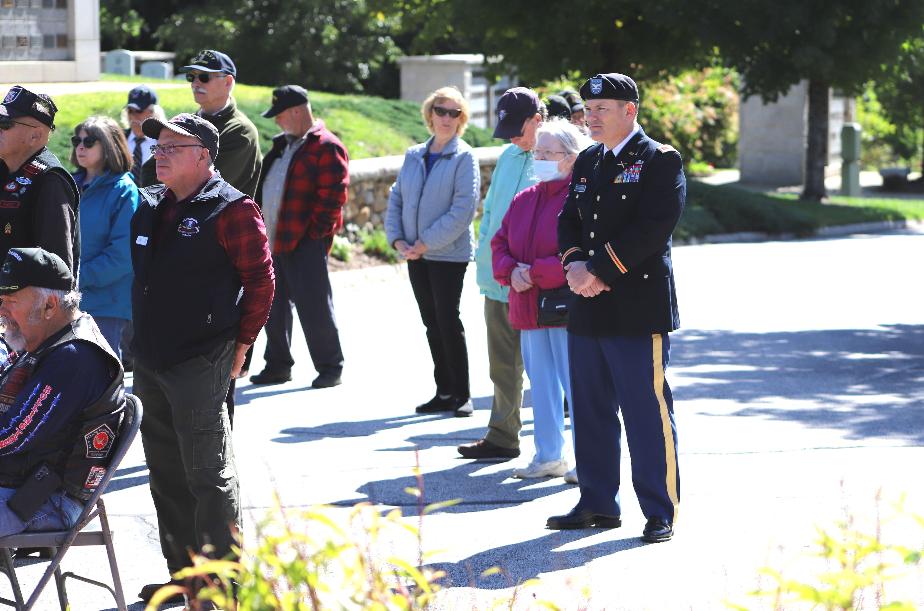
x: 626, y: 196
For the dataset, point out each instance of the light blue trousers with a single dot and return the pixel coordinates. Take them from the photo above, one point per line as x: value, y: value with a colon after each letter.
x: 545, y: 358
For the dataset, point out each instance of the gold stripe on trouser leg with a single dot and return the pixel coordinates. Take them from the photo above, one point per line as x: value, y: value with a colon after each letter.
x: 669, y: 454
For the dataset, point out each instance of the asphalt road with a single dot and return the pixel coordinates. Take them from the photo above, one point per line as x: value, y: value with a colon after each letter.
x: 798, y: 392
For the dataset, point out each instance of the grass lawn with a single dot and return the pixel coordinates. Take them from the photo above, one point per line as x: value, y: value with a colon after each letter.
x: 727, y: 209
x: 369, y: 126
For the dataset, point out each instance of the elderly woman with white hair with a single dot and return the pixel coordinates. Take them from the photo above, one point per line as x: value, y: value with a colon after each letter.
x: 525, y: 257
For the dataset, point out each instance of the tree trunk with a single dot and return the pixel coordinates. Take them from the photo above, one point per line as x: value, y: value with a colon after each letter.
x: 816, y: 150
x: 922, y: 146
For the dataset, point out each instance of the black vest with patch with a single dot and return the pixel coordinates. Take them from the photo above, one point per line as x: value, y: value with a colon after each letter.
x: 18, y: 200
x: 186, y: 291
x: 79, y: 453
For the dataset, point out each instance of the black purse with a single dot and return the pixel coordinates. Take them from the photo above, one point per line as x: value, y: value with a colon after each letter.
x: 553, y: 306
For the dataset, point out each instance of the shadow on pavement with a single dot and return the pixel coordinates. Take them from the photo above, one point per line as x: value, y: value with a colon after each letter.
x: 543, y: 556
x: 347, y: 429
x: 481, y: 492
x: 869, y: 382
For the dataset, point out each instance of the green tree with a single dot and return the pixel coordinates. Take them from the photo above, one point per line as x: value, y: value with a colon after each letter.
x: 542, y: 41
x: 334, y: 45
x: 831, y: 44
x: 900, y: 91
x: 119, y: 24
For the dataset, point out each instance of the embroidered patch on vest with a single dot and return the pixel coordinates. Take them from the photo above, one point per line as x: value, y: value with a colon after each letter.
x: 9, y: 203
x: 188, y: 227
x: 12, y: 186
x: 99, y: 441
x: 94, y: 477
x: 23, y: 180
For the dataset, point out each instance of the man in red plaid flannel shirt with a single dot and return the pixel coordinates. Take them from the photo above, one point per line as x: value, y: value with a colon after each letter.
x: 302, y: 189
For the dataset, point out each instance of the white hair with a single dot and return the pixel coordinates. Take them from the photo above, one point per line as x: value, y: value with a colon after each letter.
x: 571, y: 138
x: 68, y: 300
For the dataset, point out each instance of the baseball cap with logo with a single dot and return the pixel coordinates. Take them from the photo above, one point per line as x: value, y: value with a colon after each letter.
x: 185, y: 124
x: 141, y: 97
x: 36, y: 267
x: 209, y: 60
x: 20, y: 102
x: 286, y: 97
x: 513, y: 108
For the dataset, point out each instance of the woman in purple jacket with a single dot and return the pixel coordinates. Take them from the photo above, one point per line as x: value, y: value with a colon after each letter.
x: 525, y: 257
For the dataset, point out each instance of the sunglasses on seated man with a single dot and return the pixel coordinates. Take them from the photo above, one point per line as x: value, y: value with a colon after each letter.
x: 7, y: 123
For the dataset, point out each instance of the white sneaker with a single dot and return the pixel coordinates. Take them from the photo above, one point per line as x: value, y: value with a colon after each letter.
x: 571, y: 476
x: 553, y: 468
x: 465, y: 409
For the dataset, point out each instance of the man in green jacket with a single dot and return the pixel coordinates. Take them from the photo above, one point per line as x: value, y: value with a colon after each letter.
x: 519, y: 113
x: 211, y: 75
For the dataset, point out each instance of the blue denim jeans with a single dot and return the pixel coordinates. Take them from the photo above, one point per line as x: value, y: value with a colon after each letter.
x: 59, y: 512
x: 545, y: 356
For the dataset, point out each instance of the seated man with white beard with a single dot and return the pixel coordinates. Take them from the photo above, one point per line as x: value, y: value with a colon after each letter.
x: 61, y: 396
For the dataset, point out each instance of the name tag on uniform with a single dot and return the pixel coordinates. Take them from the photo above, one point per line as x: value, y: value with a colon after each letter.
x: 580, y: 188
x: 141, y: 240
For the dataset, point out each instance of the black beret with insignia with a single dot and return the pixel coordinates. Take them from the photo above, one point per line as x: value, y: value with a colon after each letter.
x: 610, y: 86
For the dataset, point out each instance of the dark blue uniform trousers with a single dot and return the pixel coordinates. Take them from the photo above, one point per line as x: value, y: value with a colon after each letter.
x: 609, y: 374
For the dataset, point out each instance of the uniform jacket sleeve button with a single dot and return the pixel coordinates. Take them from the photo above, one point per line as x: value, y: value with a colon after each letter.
x: 623, y: 196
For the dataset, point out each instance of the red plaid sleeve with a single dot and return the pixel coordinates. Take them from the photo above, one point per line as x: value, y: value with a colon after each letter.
x: 316, y: 190
x: 242, y: 234
x: 332, y: 180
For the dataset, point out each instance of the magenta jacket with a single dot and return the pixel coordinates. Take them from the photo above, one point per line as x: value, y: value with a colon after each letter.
x: 529, y: 234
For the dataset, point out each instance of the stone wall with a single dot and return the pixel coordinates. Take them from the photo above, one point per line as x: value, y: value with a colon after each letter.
x: 370, y: 180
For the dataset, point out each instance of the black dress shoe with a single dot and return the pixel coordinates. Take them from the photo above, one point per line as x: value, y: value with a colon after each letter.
x: 485, y: 449
x: 657, y: 530
x: 147, y: 592
x: 271, y: 377
x: 326, y: 380
x: 581, y: 518
x: 438, y: 404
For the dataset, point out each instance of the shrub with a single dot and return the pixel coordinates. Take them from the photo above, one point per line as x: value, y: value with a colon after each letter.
x: 375, y: 244
x: 341, y: 249
x: 859, y: 564
x: 696, y: 112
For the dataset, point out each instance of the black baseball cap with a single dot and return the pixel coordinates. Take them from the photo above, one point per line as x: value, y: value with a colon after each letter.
x: 610, y: 86
x: 286, y: 97
x: 141, y: 97
x: 20, y: 102
x: 185, y: 124
x: 574, y: 100
x: 558, y: 107
x: 34, y: 267
x: 209, y: 60
x: 513, y: 108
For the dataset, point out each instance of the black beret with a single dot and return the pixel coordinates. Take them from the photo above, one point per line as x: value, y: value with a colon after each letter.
x: 610, y: 86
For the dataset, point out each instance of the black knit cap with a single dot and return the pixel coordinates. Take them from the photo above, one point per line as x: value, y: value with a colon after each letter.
x: 185, y: 124
x: 34, y: 267
x: 610, y: 86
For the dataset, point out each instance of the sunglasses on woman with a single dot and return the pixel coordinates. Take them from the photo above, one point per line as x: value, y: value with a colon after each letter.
x: 88, y: 142
x: 455, y: 113
x: 203, y: 77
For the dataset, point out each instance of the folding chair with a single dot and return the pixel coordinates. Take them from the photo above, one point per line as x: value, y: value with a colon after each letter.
x: 61, y: 541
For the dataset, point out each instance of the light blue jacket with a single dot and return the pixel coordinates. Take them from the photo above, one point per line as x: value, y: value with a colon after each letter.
x: 513, y: 173
x: 106, y: 209
x: 436, y: 208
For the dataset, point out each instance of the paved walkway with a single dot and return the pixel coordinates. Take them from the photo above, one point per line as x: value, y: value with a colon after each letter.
x: 798, y: 383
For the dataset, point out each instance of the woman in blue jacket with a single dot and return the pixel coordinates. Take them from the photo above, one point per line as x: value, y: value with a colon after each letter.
x: 429, y: 222
x: 108, y: 200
